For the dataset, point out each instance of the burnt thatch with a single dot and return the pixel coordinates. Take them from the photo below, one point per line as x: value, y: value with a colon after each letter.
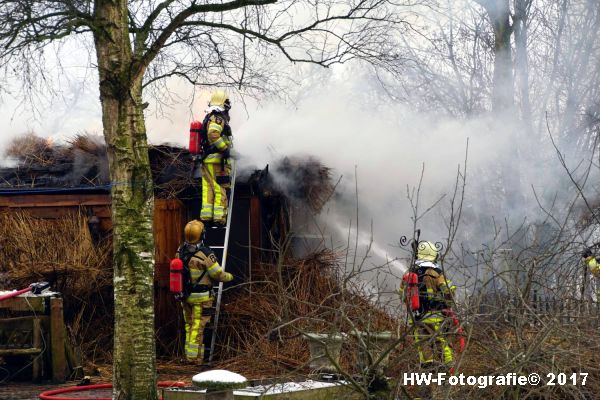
x: 41, y: 163
x: 305, y: 179
x: 172, y: 172
x: 82, y: 163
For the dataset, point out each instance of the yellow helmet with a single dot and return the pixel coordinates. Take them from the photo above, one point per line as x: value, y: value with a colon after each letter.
x: 219, y: 98
x: 193, y: 231
x: 427, y: 251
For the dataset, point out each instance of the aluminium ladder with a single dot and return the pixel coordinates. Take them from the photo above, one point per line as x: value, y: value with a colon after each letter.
x: 218, y: 240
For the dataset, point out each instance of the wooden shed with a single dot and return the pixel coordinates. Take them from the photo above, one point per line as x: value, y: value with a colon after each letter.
x: 251, y: 223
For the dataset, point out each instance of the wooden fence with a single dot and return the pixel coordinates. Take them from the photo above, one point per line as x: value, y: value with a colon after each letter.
x: 579, y: 312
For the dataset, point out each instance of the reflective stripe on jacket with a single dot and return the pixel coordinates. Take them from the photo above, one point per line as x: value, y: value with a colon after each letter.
x: 217, y: 140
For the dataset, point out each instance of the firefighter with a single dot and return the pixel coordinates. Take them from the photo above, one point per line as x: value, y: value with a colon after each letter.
x: 216, y: 163
x: 430, y: 322
x: 204, y: 270
x: 593, y: 266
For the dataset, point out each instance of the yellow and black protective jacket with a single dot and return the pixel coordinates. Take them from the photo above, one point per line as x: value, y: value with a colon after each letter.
x: 201, y: 270
x: 218, y: 138
x: 435, y: 290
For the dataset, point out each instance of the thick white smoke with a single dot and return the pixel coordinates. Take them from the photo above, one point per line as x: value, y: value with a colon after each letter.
x: 347, y: 123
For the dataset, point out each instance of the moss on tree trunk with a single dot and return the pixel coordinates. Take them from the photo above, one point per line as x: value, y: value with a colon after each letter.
x: 134, y: 365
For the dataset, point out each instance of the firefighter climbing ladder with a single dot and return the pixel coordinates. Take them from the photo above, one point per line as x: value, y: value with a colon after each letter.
x: 223, y: 245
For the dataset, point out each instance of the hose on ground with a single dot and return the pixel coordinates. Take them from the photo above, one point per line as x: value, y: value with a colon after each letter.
x: 49, y: 394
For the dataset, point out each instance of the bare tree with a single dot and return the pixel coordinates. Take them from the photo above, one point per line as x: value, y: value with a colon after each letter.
x: 499, y: 14
x: 521, y: 32
x: 137, y: 43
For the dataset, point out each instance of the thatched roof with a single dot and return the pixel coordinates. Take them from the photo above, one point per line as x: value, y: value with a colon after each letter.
x: 302, y: 179
x: 82, y: 163
x: 41, y: 163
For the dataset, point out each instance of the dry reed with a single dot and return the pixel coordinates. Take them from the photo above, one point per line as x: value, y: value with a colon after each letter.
x: 61, y: 251
x: 305, y: 179
x: 263, y: 325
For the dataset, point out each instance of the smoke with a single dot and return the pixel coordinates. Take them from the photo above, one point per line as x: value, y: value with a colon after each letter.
x: 389, y: 151
x: 343, y: 117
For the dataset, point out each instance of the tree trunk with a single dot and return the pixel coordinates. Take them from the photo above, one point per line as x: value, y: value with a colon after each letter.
x: 503, y: 85
x: 134, y: 365
x: 521, y: 61
x: 503, y: 94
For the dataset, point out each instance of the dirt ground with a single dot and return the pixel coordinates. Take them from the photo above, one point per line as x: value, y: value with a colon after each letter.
x: 31, y: 391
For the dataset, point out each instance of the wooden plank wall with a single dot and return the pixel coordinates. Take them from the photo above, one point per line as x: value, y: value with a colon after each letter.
x: 169, y: 221
x: 51, y: 206
x: 169, y: 218
x: 255, y: 232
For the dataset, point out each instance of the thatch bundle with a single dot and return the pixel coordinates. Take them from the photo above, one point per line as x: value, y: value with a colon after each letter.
x: 30, y: 149
x: 57, y: 250
x: 61, y: 251
x: 305, y: 179
x: 82, y: 162
x: 172, y: 172
x: 42, y: 163
x: 263, y: 325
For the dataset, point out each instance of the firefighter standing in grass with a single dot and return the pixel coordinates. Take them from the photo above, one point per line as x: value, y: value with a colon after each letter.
x: 216, y: 163
x: 428, y: 296
x: 198, y: 299
x: 593, y: 266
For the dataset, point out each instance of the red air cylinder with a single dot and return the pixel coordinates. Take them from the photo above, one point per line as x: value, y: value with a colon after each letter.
x: 176, y: 276
x: 195, y: 145
x: 411, y: 282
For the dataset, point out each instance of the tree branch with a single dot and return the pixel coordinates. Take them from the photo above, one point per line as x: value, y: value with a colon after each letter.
x: 179, y: 21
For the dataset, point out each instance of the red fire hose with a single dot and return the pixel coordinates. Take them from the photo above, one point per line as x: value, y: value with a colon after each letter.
x: 36, y: 288
x: 15, y: 293
x: 49, y: 395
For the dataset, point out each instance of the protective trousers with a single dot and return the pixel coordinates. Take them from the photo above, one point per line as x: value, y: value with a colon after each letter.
x: 430, y: 338
x: 195, y: 322
x: 214, y: 197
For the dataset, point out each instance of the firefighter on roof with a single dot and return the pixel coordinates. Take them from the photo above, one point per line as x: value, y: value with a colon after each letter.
x: 428, y: 296
x: 200, y: 270
x: 593, y: 266
x: 216, y: 163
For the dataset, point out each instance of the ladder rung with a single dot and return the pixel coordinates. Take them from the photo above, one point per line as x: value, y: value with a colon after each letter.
x: 217, y: 247
x: 224, y: 249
